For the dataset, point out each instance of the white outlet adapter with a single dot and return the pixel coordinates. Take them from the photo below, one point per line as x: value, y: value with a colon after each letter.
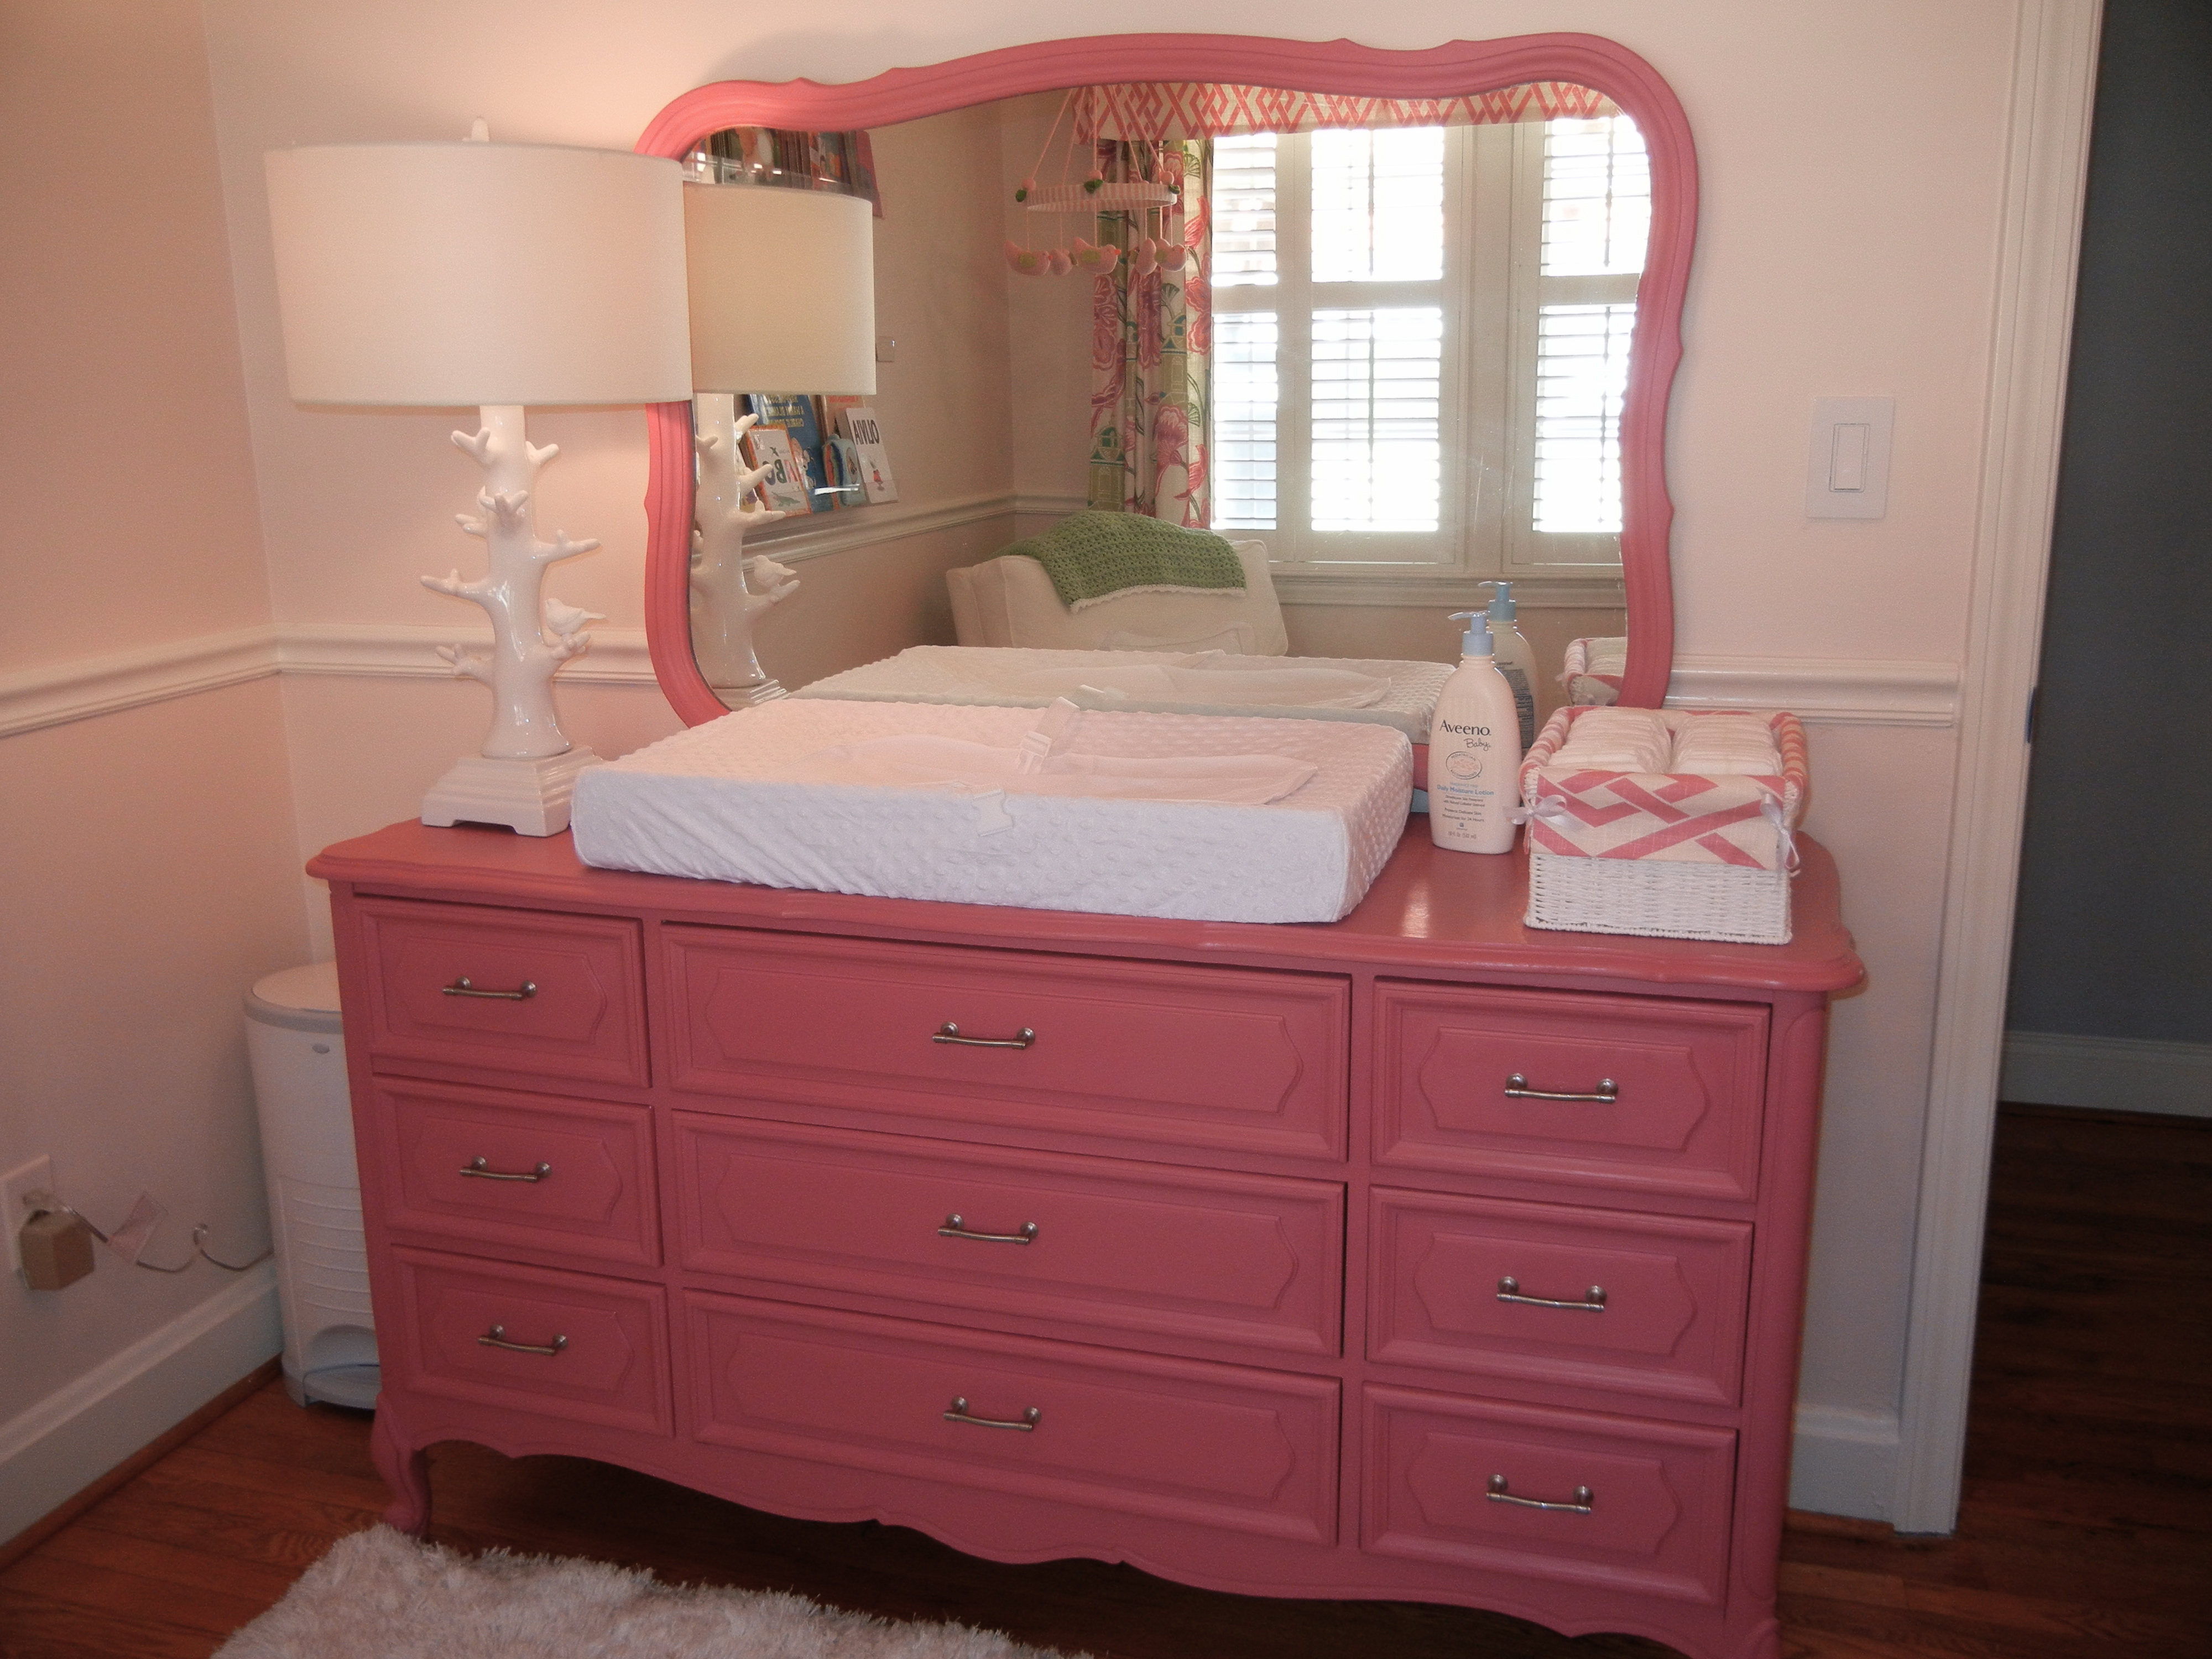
x: 35, y: 1176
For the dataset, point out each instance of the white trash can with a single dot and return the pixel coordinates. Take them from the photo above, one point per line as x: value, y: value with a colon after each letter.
x: 293, y: 1040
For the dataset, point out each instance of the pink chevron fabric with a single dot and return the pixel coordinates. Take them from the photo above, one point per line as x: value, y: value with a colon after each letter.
x: 1672, y: 818
x: 1187, y: 109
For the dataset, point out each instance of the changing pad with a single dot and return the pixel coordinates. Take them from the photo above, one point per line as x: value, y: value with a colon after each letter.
x: 1402, y: 695
x: 763, y: 796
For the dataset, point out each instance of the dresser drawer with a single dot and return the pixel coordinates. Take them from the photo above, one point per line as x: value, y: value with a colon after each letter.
x: 1096, y: 1242
x: 1654, y: 1305
x: 484, y: 1167
x: 551, y: 996
x: 1629, y: 1504
x: 1212, y: 1445
x: 592, y: 1350
x: 1213, y: 1057
x: 1640, y: 1094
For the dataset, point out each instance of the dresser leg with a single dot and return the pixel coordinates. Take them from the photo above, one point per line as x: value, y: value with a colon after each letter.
x: 406, y: 1469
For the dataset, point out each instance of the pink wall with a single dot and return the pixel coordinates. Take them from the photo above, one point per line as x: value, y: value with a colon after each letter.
x: 132, y: 515
x: 148, y: 853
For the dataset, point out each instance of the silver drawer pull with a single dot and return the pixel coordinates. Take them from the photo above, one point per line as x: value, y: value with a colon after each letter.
x: 1508, y: 1290
x: 461, y: 987
x: 479, y: 1167
x: 949, y: 1032
x: 496, y: 1338
x: 954, y: 1227
x: 1584, y: 1500
x: 1516, y: 1088
x: 1026, y: 1423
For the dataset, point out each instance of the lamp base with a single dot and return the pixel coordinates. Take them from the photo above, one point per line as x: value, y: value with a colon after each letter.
x: 531, y: 797
x: 750, y: 697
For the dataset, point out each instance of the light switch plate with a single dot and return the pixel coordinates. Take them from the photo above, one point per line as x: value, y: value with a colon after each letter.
x: 37, y: 1176
x: 1847, y: 470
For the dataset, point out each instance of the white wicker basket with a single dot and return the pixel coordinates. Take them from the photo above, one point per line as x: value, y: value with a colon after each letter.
x: 1673, y: 856
x: 1666, y: 900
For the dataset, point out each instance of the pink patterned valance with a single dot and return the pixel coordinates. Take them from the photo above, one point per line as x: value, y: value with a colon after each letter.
x: 1195, y: 109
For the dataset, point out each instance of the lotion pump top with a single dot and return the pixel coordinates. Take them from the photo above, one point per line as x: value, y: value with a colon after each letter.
x: 1501, y: 608
x: 1476, y: 641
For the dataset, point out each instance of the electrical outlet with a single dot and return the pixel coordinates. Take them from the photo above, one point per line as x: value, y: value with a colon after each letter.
x: 37, y: 1176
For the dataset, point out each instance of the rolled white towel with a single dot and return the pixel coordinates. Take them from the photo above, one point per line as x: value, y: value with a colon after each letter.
x: 1728, y: 745
x: 1618, y: 740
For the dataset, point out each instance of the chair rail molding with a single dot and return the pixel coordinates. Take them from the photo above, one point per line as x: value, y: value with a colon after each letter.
x: 1822, y: 692
x: 2053, y: 95
x: 1834, y: 693
x: 57, y: 693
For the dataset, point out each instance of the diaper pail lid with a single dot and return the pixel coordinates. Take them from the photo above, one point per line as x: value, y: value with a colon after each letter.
x: 301, y: 998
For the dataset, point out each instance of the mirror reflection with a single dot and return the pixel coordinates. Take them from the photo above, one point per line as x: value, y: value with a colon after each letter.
x: 1385, y: 359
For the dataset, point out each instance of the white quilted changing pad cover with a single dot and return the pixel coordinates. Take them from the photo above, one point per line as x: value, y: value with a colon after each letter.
x: 1014, y: 677
x: 707, y: 802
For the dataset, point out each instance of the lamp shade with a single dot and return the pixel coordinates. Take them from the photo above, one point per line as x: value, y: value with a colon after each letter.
x: 444, y: 274
x: 783, y: 289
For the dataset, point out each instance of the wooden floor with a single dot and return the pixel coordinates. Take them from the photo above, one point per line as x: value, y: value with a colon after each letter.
x: 2085, y: 1529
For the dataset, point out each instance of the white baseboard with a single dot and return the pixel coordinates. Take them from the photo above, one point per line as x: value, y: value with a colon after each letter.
x: 1845, y: 1463
x: 60, y: 1446
x: 2113, y: 1074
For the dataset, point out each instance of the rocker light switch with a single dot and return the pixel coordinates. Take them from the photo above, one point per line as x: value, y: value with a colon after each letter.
x: 1847, y: 473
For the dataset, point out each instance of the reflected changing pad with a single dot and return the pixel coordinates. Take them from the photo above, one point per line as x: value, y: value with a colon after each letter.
x: 794, y: 794
x: 1402, y: 695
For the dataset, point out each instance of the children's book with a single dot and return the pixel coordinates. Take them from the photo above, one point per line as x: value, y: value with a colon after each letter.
x: 858, y: 422
x: 795, y: 414
x: 785, y: 487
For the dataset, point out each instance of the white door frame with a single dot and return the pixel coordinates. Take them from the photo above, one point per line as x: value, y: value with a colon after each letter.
x: 2053, y: 92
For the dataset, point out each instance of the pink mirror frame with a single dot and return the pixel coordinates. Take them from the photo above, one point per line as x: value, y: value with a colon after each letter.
x: 1458, y: 68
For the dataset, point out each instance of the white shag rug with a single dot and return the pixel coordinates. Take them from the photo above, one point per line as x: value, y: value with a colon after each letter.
x: 380, y: 1594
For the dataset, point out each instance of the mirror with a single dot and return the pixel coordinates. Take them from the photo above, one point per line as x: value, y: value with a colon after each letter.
x: 1463, y: 70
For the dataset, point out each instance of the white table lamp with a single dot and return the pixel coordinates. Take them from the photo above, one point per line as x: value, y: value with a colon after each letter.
x: 431, y: 275
x: 783, y: 298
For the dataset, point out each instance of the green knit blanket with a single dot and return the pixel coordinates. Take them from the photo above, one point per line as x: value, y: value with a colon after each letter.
x: 1094, y: 556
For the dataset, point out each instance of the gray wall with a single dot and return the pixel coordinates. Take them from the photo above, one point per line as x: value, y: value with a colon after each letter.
x: 2115, y: 927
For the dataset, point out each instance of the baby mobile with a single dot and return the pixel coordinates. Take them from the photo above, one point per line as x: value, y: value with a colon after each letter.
x: 1145, y: 204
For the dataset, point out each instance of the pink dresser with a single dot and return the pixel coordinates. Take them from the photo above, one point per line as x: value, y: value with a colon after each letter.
x: 1419, y: 1255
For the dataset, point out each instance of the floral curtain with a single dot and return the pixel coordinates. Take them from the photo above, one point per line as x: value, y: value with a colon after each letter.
x: 1152, y: 341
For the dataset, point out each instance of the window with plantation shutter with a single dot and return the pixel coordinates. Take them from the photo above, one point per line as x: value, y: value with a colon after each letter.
x: 1421, y: 344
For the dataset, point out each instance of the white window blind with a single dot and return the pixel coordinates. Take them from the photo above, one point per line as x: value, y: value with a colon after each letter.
x: 1421, y: 342
x: 1377, y: 450
x: 1244, y: 211
x: 1596, y: 221
x: 1245, y: 397
x: 1378, y: 206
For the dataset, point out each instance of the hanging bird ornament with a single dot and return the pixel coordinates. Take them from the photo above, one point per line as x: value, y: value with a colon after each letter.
x: 1135, y: 200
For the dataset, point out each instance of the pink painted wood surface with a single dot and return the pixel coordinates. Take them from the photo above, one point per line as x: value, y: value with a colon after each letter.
x: 1657, y: 1521
x: 1191, y: 1057
x: 1117, y: 1246
x: 594, y: 1200
x: 1688, y: 1077
x: 1336, y: 66
x: 1431, y: 913
x: 1672, y: 1318
x: 1219, y: 1446
x: 611, y: 1367
x: 583, y: 1018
